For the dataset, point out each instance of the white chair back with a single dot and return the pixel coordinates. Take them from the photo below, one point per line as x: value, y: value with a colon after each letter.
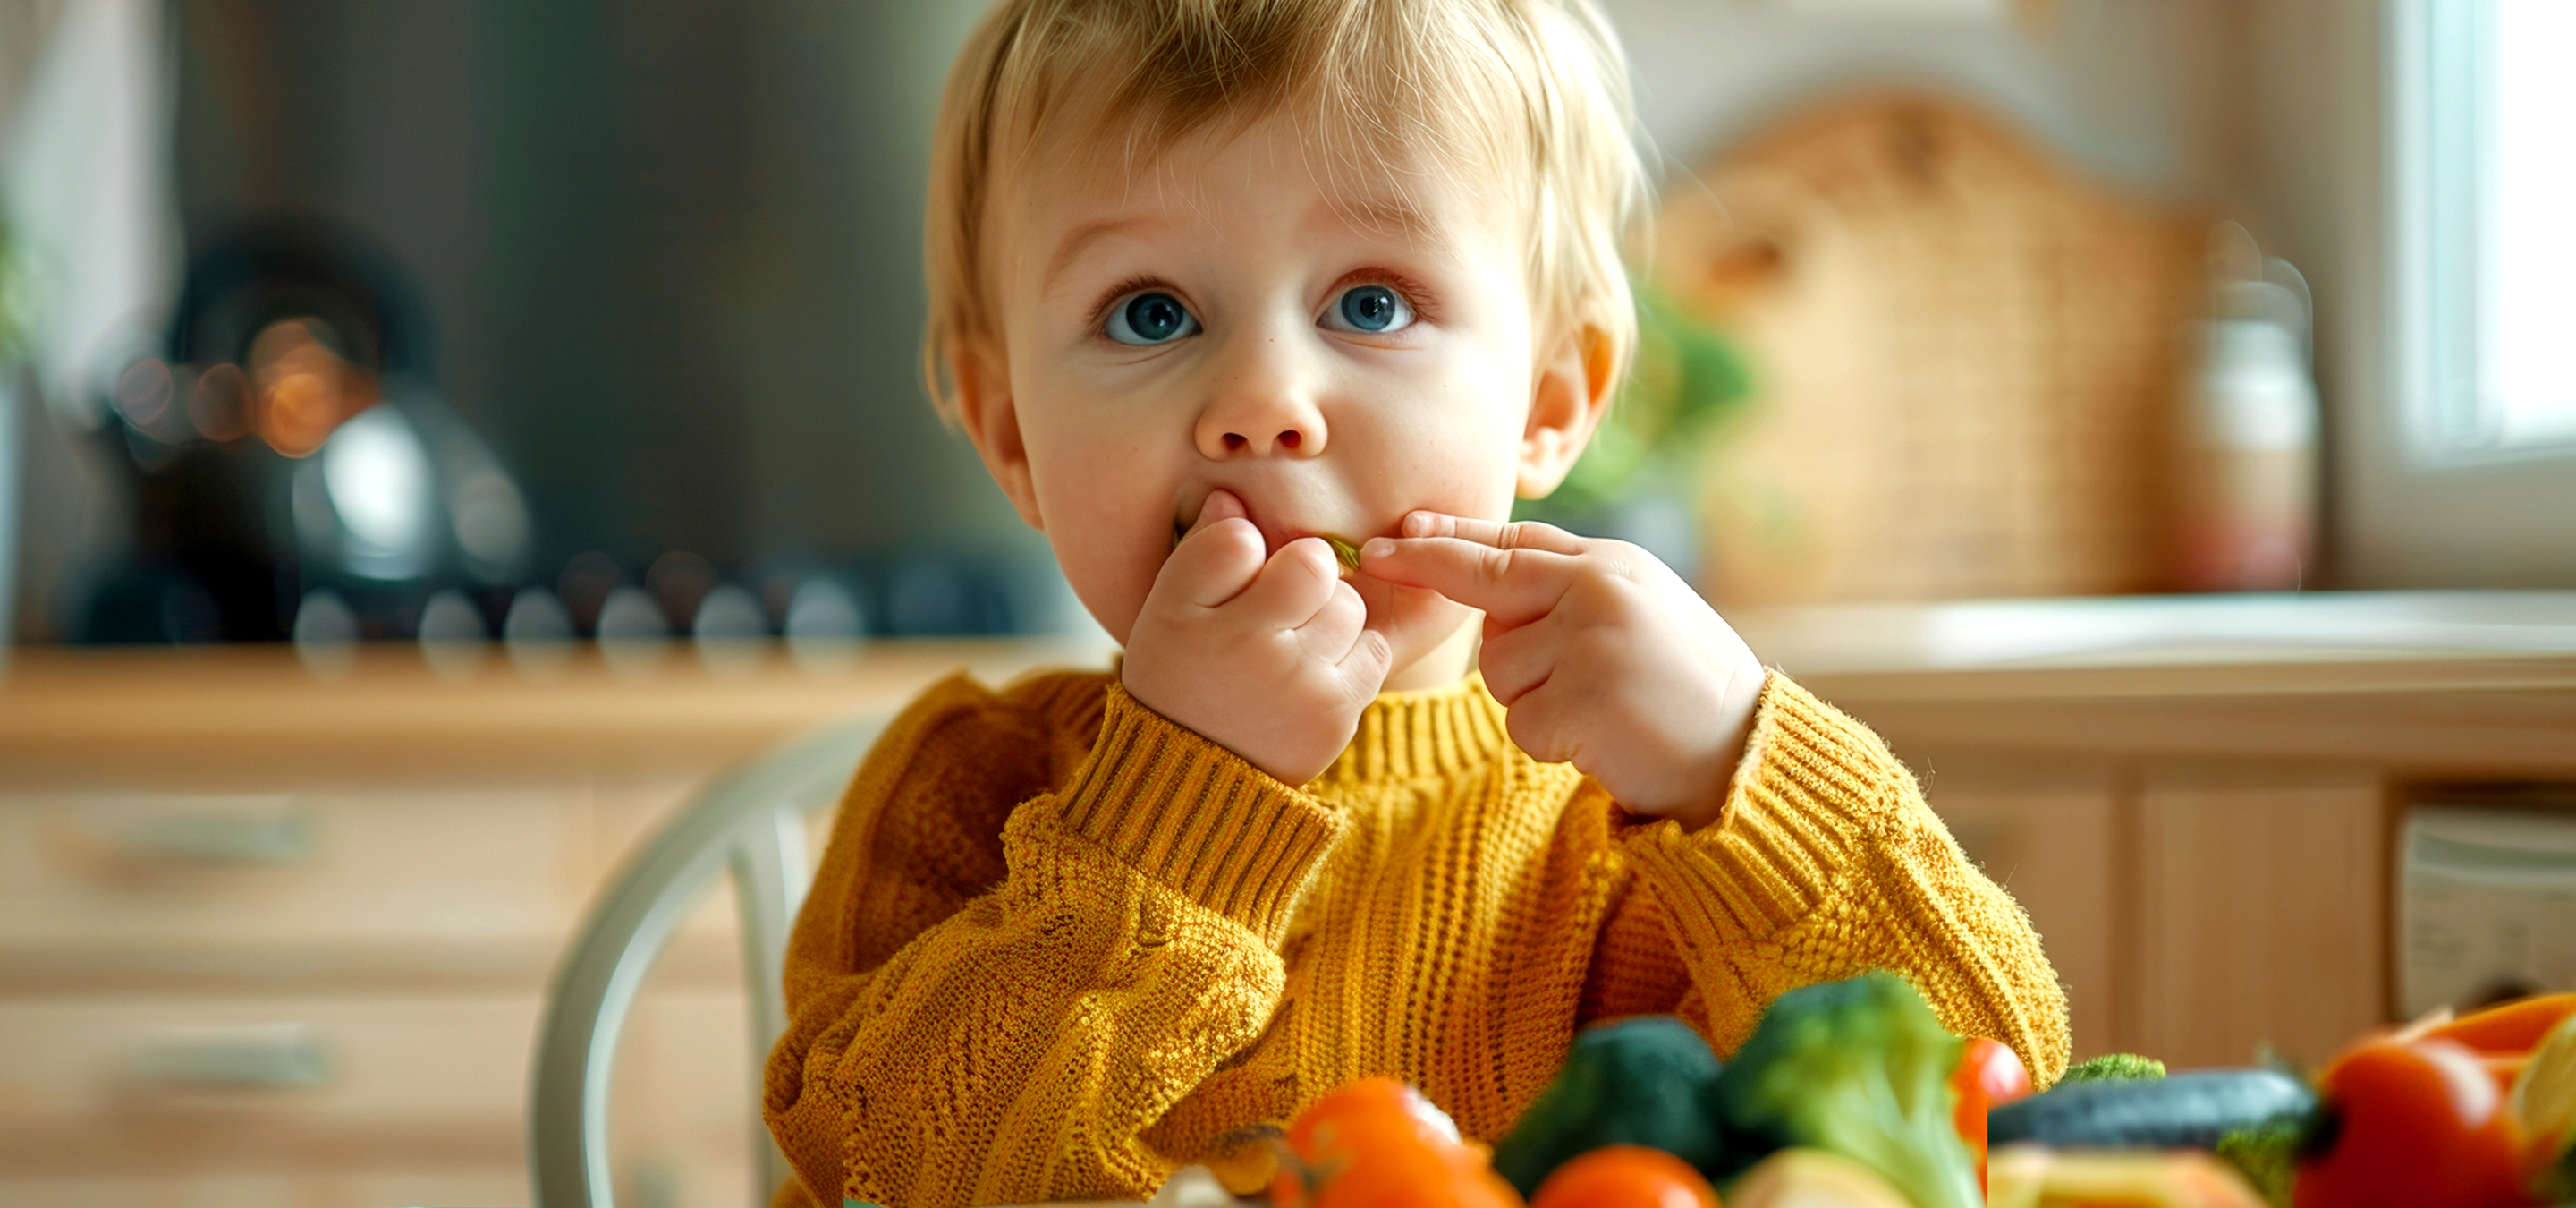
x: 749, y: 822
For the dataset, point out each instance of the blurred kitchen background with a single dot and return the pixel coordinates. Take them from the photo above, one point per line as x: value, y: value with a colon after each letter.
x: 436, y: 438
x: 641, y: 285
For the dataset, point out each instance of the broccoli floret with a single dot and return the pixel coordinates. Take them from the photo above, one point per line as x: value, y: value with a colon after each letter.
x: 1860, y: 1068
x: 2114, y: 1067
x: 1641, y: 1081
x: 2267, y: 1155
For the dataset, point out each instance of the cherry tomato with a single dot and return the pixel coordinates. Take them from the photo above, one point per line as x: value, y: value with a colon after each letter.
x: 2414, y: 1124
x: 1625, y: 1176
x: 2514, y: 1027
x: 1988, y: 1076
x: 1377, y: 1143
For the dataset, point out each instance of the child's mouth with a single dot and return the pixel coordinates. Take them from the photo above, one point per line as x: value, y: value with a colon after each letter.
x: 1346, y: 552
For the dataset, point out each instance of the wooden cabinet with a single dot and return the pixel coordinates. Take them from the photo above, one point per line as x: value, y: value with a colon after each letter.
x: 270, y: 939
x: 2195, y: 799
x: 2262, y: 914
x: 2194, y: 914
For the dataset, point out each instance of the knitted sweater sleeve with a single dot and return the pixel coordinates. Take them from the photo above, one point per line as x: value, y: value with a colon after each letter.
x: 1827, y: 862
x: 1008, y: 1035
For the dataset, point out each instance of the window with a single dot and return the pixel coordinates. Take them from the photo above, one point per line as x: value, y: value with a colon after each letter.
x: 2487, y: 185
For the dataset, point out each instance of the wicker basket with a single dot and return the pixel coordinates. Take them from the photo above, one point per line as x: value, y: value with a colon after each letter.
x: 1964, y: 360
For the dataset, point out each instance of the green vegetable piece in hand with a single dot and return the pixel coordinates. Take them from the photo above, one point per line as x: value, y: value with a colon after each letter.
x: 1859, y: 1068
x: 1345, y: 553
x: 2114, y: 1067
x: 1643, y: 1081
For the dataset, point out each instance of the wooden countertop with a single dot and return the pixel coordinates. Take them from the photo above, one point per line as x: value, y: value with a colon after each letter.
x: 2426, y: 680
x: 2201, y: 641
x: 2425, y: 684
x: 61, y: 707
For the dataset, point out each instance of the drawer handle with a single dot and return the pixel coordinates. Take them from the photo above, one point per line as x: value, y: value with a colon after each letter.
x: 261, y: 1057
x: 205, y: 830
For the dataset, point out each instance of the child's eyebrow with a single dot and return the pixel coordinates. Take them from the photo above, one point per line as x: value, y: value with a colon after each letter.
x: 1080, y: 239
x: 1377, y: 215
x: 1385, y: 214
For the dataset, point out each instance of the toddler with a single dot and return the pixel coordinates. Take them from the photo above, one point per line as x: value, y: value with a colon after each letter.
x: 1211, y: 281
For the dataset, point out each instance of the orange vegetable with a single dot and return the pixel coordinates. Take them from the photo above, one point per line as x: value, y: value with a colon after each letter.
x: 2505, y: 1068
x: 2514, y: 1027
x: 2413, y: 1124
x: 1377, y: 1143
x: 1989, y: 1075
x: 1625, y: 1176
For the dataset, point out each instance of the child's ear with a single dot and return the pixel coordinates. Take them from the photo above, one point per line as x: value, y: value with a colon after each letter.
x: 986, y: 410
x: 1569, y: 396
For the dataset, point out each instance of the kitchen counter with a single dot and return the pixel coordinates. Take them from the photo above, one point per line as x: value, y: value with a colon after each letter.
x: 225, y: 851
x: 2455, y: 630
x: 249, y: 707
x: 2421, y: 684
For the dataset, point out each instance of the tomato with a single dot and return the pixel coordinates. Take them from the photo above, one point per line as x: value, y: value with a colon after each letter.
x: 1625, y: 1176
x: 1377, y: 1143
x: 1989, y: 1075
x: 2415, y: 1123
x: 2514, y: 1027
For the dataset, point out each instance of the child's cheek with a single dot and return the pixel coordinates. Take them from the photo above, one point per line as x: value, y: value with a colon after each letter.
x: 1467, y: 436
x: 1108, y: 557
x: 1111, y: 583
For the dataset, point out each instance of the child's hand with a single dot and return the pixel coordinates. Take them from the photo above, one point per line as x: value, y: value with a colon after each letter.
x: 1603, y: 656
x: 1271, y: 659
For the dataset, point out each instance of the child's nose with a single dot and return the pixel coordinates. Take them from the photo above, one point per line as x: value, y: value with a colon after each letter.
x: 1259, y: 441
x: 1262, y: 411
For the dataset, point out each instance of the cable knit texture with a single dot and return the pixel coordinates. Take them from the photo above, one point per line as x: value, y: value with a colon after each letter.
x: 1060, y: 946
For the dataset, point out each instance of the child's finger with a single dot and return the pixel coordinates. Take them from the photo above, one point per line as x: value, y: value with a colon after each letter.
x: 1519, y: 661
x: 1294, y: 584
x: 1512, y: 586
x: 1218, y: 558
x: 1335, y: 625
x: 1365, y: 665
x: 1412, y: 619
x: 1219, y: 505
x: 1518, y: 534
x: 1537, y: 725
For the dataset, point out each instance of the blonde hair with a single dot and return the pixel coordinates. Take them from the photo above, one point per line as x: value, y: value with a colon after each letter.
x: 1534, y: 91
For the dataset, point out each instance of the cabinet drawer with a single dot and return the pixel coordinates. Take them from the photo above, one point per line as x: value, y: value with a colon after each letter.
x: 352, y: 1188
x: 100, y: 886
x: 138, y: 1086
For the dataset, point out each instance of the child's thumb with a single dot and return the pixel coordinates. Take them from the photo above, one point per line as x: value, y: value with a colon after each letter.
x: 1218, y: 506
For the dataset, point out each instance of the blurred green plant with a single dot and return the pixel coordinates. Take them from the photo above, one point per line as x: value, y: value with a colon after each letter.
x: 1687, y: 376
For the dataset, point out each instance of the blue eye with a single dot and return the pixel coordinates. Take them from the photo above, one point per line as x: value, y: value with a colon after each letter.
x: 1150, y: 318
x: 1373, y: 309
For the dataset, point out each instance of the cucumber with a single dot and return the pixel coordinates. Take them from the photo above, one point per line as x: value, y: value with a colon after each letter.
x: 2189, y: 1110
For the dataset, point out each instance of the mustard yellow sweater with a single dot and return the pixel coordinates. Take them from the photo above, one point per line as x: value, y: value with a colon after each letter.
x: 1060, y: 946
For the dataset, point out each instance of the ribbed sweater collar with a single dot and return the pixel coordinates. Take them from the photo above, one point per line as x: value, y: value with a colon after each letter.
x: 1425, y: 733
